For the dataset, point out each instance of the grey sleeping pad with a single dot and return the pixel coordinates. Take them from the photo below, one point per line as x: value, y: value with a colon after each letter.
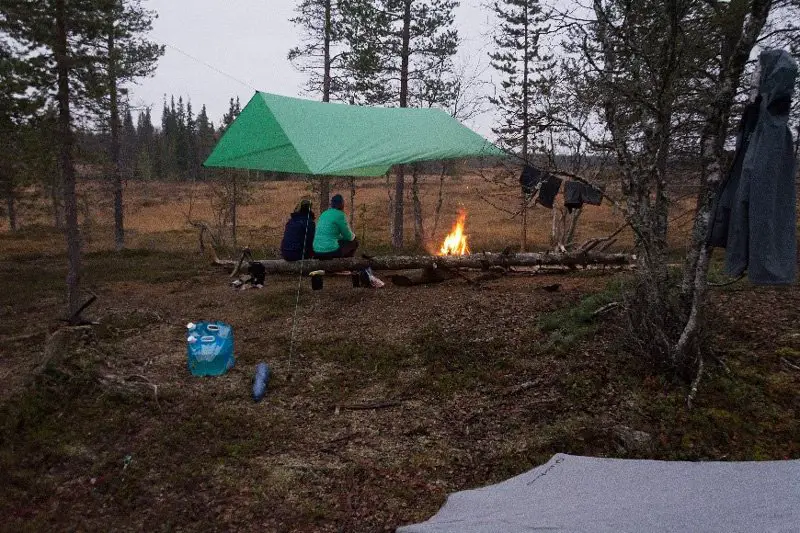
x: 762, y: 230
x: 593, y: 495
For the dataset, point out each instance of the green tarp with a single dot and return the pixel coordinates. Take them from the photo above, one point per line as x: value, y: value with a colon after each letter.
x: 282, y: 134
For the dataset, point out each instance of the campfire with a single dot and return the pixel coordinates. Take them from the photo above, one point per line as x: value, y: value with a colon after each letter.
x: 456, y: 241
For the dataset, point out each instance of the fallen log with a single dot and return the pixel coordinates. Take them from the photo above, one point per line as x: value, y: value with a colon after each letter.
x: 422, y: 276
x: 479, y: 261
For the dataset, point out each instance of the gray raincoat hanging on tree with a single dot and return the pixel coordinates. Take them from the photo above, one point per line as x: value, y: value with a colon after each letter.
x: 755, y: 213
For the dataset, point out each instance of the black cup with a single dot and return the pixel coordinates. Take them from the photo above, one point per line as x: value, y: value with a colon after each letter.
x: 316, y: 283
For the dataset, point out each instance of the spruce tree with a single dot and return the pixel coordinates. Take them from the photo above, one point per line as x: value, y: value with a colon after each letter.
x: 517, y: 59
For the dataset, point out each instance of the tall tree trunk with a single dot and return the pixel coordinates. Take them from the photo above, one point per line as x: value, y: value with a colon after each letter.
x: 57, y: 200
x: 234, y: 201
x: 11, y: 207
x: 419, y: 229
x: 525, y: 126
x: 119, y: 229
x: 439, y: 201
x: 399, y: 184
x: 325, y: 181
x: 324, y: 193
x: 73, y: 236
x: 11, y: 203
x: 352, y: 201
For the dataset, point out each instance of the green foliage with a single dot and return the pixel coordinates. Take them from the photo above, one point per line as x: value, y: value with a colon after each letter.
x: 567, y: 326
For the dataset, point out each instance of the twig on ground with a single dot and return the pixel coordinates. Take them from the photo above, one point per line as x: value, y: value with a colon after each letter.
x: 20, y: 338
x: 133, y: 379
x: 789, y: 364
x: 73, y: 319
x: 522, y: 387
x: 606, y: 308
x: 724, y: 365
x: 347, y: 436
x: 371, y: 406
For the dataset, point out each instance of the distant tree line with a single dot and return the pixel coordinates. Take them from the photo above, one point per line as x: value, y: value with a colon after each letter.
x: 172, y: 151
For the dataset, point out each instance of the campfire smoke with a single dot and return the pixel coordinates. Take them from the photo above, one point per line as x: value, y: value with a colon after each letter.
x: 456, y: 241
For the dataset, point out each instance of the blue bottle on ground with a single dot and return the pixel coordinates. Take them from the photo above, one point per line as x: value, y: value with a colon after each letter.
x: 260, y: 382
x: 209, y: 348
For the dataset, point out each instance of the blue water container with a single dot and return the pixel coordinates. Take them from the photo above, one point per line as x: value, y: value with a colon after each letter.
x: 260, y: 382
x: 209, y: 347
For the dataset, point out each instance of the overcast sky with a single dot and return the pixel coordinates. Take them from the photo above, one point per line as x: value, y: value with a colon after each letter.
x: 249, y: 41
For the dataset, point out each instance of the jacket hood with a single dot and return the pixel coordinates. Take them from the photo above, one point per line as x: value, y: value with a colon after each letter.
x: 778, y: 75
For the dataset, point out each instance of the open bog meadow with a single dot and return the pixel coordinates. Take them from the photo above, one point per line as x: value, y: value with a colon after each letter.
x: 390, y: 399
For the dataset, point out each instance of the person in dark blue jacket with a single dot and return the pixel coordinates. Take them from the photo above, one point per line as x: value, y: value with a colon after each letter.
x: 298, y: 237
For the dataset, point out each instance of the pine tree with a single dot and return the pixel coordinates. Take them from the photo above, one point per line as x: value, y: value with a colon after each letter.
x: 65, y: 34
x: 318, y: 56
x: 321, y: 23
x: 520, y: 64
x: 518, y: 60
x: 233, y: 111
x: 182, y: 156
x: 146, y: 147
x: 404, y: 47
x: 127, y: 55
x: 128, y: 144
x: 205, y: 136
x: 17, y: 108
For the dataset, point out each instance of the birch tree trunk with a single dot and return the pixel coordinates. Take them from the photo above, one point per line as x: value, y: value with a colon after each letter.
x: 743, y: 35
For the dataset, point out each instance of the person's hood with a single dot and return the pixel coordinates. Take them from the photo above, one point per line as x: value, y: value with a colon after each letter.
x: 303, y: 214
x: 778, y: 75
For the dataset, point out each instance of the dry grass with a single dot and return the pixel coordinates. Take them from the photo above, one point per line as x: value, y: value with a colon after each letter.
x: 492, y: 380
x: 156, y: 215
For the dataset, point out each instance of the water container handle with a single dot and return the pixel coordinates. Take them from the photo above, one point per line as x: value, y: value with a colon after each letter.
x: 212, y: 327
x: 207, y: 338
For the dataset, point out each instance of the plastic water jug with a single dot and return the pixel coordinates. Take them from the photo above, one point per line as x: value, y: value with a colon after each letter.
x: 209, y: 348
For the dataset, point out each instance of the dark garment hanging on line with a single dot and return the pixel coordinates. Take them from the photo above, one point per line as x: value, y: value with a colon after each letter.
x: 530, y: 179
x: 549, y: 190
x: 761, y: 227
x: 718, y: 230
x: 592, y: 195
x: 573, y: 195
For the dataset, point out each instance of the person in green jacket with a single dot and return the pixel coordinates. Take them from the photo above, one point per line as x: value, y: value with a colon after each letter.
x: 333, y: 237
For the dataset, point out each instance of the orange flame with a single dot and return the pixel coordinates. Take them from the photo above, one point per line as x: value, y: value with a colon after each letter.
x: 456, y: 241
